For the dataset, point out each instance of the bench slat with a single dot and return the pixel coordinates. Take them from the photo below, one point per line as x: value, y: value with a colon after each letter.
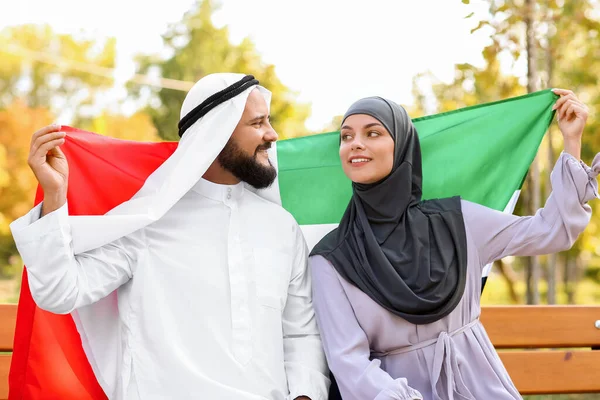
x: 532, y: 372
x: 541, y: 326
x: 8, y: 318
x: 4, y: 367
x: 548, y: 372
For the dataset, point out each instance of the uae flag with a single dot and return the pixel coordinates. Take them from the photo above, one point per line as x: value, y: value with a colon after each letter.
x: 481, y: 153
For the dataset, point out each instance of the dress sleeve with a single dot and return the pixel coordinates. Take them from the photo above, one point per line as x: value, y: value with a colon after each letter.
x: 553, y: 228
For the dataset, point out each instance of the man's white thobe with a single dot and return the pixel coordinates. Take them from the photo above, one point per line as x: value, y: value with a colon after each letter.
x: 214, y: 298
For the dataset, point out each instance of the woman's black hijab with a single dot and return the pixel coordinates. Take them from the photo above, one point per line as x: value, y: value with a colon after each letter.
x: 408, y: 255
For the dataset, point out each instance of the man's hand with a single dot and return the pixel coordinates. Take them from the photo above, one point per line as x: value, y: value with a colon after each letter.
x: 49, y: 165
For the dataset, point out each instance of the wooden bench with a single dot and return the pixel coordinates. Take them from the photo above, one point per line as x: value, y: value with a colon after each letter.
x: 8, y: 318
x: 535, y: 368
x: 562, y: 342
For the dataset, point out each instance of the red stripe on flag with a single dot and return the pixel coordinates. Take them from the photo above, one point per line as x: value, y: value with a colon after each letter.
x: 48, y: 360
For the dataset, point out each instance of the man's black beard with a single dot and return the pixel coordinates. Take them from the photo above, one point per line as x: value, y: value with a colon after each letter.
x: 245, y: 167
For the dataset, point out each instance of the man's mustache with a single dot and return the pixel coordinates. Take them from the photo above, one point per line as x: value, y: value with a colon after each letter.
x: 264, y: 146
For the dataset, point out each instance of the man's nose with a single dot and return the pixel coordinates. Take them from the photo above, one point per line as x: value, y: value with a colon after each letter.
x: 271, y: 135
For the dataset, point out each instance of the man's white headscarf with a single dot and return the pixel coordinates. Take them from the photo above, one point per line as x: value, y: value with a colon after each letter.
x: 98, y: 324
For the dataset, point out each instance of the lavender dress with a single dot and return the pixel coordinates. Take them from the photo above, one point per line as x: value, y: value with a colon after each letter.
x: 375, y: 354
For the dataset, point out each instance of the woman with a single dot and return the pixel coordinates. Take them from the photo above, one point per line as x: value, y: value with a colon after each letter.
x: 397, y: 285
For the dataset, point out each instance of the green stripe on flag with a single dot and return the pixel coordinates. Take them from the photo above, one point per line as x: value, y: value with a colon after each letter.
x: 481, y: 153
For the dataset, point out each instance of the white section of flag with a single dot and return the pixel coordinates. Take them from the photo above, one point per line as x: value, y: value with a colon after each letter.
x: 510, y: 207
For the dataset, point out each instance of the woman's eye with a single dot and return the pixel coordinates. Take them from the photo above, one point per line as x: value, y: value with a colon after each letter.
x: 373, y: 133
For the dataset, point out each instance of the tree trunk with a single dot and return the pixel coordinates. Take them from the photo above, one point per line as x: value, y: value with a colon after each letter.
x: 576, y: 277
x: 551, y: 278
x: 571, y: 278
x: 511, y: 279
x: 533, y: 265
x: 565, y: 268
x: 551, y: 259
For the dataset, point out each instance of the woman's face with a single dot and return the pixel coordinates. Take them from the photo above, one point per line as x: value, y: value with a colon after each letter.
x: 366, y: 149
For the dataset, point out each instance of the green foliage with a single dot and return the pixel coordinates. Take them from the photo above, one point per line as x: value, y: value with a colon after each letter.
x: 195, y: 48
x: 53, y: 70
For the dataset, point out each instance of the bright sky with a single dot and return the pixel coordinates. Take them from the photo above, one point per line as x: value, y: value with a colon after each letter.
x: 331, y: 52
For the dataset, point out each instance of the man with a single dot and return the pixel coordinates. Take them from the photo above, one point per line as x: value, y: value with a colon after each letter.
x: 196, y: 287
